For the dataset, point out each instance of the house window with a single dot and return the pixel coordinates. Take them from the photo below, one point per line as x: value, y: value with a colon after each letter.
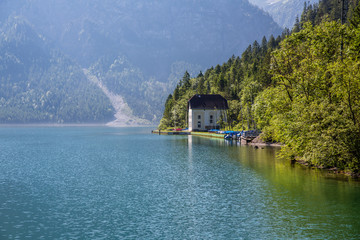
x: 211, y: 119
x: 199, y: 124
x: 199, y: 117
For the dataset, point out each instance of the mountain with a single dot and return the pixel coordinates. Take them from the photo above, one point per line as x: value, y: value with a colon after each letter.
x: 284, y: 12
x: 139, y: 49
x: 39, y: 85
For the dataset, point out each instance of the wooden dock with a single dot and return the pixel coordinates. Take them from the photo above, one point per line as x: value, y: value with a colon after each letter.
x: 246, y: 137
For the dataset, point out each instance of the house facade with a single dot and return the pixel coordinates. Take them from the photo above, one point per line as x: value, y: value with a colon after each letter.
x: 205, y: 111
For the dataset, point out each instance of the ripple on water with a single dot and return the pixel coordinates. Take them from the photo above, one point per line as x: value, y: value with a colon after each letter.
x: 101, y: 183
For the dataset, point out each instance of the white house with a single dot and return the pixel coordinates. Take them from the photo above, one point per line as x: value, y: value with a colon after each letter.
x: 204, y: 111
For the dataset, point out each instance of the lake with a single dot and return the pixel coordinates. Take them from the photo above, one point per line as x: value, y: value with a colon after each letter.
x: 125, y: 183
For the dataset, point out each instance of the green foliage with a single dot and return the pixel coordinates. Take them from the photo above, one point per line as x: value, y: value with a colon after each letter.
x: 331, y: 10
x: 304, y: 93
x: 239, y: 80
x: 321, y: 83
x: 355, y: 19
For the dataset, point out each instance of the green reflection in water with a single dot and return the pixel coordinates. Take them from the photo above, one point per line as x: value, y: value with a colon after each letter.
x: 307, y: 203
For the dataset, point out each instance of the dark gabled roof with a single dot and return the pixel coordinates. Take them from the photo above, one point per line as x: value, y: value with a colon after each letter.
x: 208, y: 101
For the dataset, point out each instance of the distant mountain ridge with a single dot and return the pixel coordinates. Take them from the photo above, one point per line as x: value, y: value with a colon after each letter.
x: 139, y: 49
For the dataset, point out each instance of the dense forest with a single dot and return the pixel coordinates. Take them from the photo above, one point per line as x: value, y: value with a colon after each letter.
x: 301, y: 89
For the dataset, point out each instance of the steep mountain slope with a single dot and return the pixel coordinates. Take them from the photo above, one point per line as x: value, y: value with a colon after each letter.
x: 140, y: 47
x: 41, y: 85
x: 284, y: 12
x: 123, y: 113
x: 152, y: 34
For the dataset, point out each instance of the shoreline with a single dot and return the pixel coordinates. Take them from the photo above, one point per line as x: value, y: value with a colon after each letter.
x: 333, y: 170
x: 256, y: 142
x: 259, y: 143
x: 265, y: 144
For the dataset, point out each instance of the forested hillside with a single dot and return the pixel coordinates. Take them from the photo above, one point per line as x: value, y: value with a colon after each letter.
x: 40, y: 85
x: 301, y: 89
x: 137, y: 48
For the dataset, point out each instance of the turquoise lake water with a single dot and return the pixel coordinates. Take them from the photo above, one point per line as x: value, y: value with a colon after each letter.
x: 125, y: 183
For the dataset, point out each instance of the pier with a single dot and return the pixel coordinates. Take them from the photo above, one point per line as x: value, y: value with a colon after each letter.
x: 244, y: 137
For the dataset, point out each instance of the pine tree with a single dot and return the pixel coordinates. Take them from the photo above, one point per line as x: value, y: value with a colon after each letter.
x: 355, y: 18
x: 186, y: 80
x: 297, y: 25
x: 271, y: 42
x: 263, y: 45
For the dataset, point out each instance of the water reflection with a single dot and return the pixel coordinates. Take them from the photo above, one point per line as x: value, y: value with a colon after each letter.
x: 305, y: 202
x: 104, y: 183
